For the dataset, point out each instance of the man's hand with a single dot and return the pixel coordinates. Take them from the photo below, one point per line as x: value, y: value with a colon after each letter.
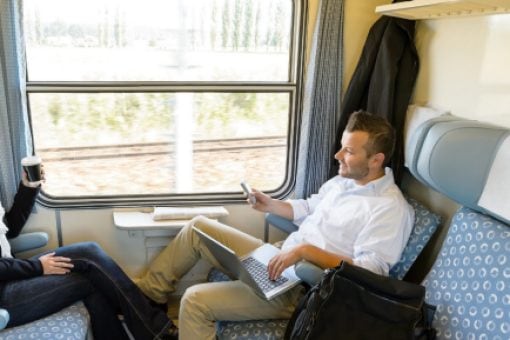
x: 265, y: 203
x: 55, y: 264
x: 262, y: 202
x: 282, y: 261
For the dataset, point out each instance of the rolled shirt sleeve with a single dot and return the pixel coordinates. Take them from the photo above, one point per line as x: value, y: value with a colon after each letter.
x: 380, y: 243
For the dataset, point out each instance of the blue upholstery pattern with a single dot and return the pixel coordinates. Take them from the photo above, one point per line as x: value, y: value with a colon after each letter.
x: 71, y: 323
x: 251, y: 330
x: 469, y: 282
x: 425, y: 225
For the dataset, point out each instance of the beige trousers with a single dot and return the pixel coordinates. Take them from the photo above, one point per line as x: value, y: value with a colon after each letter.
x: 203, y: 304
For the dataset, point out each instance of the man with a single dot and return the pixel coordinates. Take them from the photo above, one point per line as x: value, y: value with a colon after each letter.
x: 359, y: 216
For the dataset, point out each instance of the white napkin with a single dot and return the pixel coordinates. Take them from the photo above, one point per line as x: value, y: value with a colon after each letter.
x: 184, y: 213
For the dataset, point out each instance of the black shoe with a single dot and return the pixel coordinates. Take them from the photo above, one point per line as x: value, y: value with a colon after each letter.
x: 161, y: 306
x: 171, y: 334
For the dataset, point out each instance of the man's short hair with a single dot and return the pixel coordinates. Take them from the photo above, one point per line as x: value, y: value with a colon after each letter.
x: 381, y: 135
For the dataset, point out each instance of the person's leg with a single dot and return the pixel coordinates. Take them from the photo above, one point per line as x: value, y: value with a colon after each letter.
x: 104, y: 319
x: 183, y: 252
x: 107, y: 278
x: 202, y: 305
x: 31, y: 299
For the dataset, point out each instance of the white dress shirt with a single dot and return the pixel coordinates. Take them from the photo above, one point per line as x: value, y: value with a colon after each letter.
x: 368, y: 223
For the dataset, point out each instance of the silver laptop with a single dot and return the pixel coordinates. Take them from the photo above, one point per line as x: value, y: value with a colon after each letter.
x: 252, y: 268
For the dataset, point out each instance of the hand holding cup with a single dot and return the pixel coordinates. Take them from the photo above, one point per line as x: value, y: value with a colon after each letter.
x: 33, y: 171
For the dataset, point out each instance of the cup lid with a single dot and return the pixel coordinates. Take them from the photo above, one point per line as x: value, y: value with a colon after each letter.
x: 30, y: 160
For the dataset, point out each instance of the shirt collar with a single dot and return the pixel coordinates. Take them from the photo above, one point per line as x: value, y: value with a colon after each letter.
x: 377, y: 186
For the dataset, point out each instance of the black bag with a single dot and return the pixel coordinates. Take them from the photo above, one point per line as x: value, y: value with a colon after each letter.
x: 353, y: 303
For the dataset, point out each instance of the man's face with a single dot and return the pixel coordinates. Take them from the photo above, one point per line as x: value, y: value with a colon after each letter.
x: 353, y: 159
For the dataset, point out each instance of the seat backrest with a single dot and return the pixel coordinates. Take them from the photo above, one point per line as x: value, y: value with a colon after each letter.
x: 469, y: 281
x: 425, y: 225
x: 466, y: 160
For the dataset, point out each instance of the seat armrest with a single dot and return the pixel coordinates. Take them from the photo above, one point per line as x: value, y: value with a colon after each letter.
x: 308, y: 272
x: 278, y: 222
x: 4, y: 318
x: 28, y: 241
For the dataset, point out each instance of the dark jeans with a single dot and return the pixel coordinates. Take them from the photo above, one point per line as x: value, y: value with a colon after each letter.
x: 97, y: 280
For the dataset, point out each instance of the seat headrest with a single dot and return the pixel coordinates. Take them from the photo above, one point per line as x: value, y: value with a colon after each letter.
x: 465, y: 160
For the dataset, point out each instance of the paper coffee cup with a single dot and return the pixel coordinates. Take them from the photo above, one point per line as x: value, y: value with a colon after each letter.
x: 32, y: 166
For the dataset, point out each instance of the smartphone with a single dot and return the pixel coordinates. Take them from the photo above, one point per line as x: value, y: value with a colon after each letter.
x: 247, y: 189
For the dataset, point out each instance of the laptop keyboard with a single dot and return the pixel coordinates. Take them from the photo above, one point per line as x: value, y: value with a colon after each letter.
x: 259, y: 273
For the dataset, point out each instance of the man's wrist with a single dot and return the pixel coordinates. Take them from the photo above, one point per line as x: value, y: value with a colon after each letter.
x: 301, y: 251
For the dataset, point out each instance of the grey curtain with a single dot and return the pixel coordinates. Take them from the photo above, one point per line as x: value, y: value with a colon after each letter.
x: 321, y: 107
x: 15, y: 137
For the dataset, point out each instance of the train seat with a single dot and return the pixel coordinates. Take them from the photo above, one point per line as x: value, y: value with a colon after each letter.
x: 468, y: 282
x: 467, y: 161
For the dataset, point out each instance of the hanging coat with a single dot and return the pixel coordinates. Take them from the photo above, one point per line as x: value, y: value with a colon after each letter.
x: 383, y: 81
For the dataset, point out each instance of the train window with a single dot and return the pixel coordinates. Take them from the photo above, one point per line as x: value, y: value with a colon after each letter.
x: 163, y: 98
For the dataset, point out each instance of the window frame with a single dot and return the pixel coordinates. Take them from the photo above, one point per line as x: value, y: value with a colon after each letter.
x: 293, y: 87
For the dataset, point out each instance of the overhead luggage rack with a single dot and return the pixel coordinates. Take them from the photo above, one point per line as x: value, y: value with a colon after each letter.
x: 440, y: 9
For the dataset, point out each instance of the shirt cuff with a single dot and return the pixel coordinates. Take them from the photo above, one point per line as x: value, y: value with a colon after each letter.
x: 298, y: 209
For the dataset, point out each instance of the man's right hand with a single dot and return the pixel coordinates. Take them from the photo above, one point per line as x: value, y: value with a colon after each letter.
x: 265, y: 203
x: 58, y: 265
x: 262, y: 201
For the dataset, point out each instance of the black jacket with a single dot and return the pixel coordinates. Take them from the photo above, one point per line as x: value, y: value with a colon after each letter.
x: 383, y: 81
x: 15, y: 219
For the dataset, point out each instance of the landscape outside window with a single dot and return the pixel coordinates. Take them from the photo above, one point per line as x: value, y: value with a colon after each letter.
x: 159, y: 97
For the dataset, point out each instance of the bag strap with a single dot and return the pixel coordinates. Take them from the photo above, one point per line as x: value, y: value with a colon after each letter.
x: 424, y: 329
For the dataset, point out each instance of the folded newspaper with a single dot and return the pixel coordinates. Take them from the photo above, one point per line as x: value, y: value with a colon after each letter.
x: 185, y: 213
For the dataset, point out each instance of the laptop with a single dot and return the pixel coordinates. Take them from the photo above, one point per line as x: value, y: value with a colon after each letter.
x: 252, y: 268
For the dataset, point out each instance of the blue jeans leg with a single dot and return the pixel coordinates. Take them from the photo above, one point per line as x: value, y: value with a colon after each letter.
x: 107, y: 278
x: 104, y: 319
x: 31, y: 299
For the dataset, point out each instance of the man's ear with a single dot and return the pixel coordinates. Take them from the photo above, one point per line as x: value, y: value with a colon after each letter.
x: 378, y: 159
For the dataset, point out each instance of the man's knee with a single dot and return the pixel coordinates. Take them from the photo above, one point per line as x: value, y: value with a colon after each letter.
x: 194, y: 301
x: 207, y: 225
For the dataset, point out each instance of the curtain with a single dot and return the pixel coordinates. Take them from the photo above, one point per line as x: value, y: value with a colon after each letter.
x: 322, y: 94
x: 15, y: 136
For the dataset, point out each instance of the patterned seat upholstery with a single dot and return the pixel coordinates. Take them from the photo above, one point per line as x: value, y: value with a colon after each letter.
x: 253, y: 330
x: 71, y: 323
x: 469, y: 281
x: 425, y: 225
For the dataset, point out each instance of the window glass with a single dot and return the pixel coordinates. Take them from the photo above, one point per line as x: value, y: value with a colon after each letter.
x: 158, y: 143
x: 161, y: 97
x: 177, y: 40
